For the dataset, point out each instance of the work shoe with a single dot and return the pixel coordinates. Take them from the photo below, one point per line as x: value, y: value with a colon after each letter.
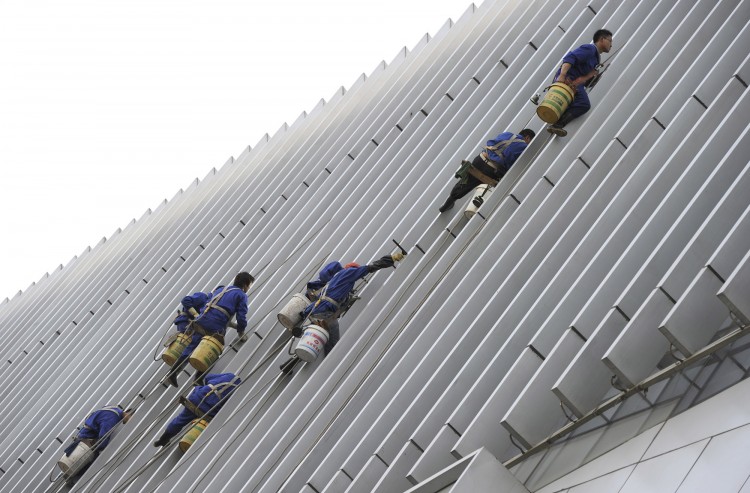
x: 447, y: 206
x: 288, y: 366
x: 172, y: 379
x: 298, y: 331
x: 175, y: 370
x: 162, y: 441
x: 557, y: 130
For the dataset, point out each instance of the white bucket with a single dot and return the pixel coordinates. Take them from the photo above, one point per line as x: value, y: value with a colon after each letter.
x: 290, y: 316
x: 80, y: 457
x: 311, y: 344
x: 472, y: 208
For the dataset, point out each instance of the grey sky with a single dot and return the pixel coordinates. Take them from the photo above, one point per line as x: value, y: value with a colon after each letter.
x: 108, y: 108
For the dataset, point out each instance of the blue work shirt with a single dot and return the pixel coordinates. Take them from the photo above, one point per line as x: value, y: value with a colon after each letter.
x: 338, y: 289
x: 233, y: 302
x: 324, y: 276
x: 582, y: 60
x: 508, y: 155
x: 98, y: 424
x: 196, y: 301
x: 211, y: 397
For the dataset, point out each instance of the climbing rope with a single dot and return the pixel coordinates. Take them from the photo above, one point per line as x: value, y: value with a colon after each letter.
x: 390, y: 343
x: 159, y: 384
x: 129, y: 480
x: 256, y: 286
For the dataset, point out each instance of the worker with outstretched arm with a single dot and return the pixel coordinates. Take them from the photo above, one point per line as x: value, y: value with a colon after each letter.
x: 490, y: 165
x: 578, y: 67
x: 326, y: 309
x: 203, y: 402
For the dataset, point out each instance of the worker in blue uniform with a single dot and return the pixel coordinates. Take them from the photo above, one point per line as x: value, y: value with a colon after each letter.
x: 332, y: 300
x: 191, y: 307
x: 578, y: 67
x: 96, y: 432
x: 224, y: 303
x: 203, y: 402
x: 490, y: 165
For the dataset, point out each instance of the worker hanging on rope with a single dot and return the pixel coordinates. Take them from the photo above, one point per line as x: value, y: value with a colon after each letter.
x: 578, y: 68
x: 90, y: 440
x: 332, y: 298
x: 490, y: 165
x: 202, y: 403
x: 211, y: 324
x: 191, y: 307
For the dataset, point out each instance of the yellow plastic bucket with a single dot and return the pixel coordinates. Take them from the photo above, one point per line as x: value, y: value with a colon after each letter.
x: 206, y: 354
x: 198, y: 425
x: 556, y: 101
x: 174, y: 350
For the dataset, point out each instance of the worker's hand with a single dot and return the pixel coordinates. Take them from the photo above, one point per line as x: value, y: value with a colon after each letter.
x: 397, y: 257
x: 193, y: 312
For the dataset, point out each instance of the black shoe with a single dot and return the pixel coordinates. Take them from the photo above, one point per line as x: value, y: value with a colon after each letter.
x: 162, y: 441
x: 298, y: 332
x: 175, y: 370
x: 447, y: 206
x: 288, y: 366
x: 172, y: 379
x: 557, y: 130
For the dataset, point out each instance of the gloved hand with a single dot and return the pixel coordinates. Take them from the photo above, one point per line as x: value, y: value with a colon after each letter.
x: 193, y: 312
x: 397, y: 257
x: 381, y: 263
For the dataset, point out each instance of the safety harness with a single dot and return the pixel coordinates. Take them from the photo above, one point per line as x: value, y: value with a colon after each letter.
x: 195, y: 326
x: 323, y: 297
x: 498, y: 149
x: 218, y: 390
x: 213, y: 304
x: 467, y: 167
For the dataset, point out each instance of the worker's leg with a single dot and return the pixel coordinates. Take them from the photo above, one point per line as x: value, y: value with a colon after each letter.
x: 176, y: 369
x: 174, y: 427
x: 460, y: 189
x: 196, y: 339
x: 70, y: 448
x: 332, y: 326
x: 578, y: 107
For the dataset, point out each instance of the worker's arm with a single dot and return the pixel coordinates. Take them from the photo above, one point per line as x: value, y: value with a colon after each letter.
x: 196, y: 301
x: 563, y: 77
x: 386, y: 261
x: 241, y: 314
